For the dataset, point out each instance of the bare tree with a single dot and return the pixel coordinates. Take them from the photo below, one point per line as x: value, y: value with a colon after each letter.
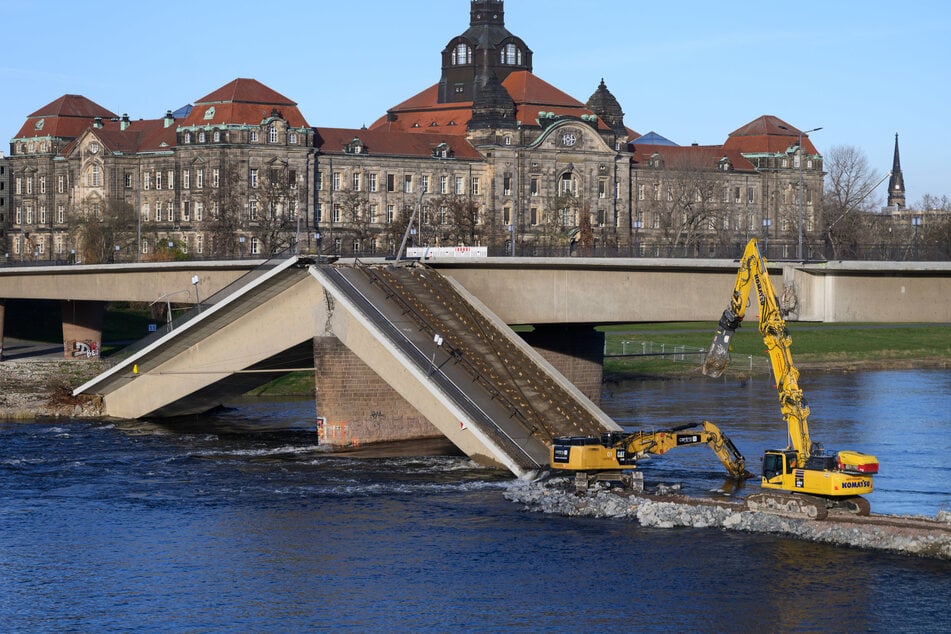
x: 847, y: 200
x: 354, y: 208
x: 103, y: 232
x: 274, y: 222
x: 227, y: 208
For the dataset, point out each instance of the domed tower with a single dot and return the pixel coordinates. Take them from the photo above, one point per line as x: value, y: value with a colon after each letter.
x: 485, y: 46
x: 605, y: 105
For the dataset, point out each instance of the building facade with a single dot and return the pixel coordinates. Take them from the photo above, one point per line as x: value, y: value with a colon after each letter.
x: 490, y: 154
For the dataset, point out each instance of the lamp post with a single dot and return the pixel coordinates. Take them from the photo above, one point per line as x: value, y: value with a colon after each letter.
x: 916, y: 222
x: 766, y: 223
x: 195, y: 281
x: 638, y: 224
x: 799, y: 149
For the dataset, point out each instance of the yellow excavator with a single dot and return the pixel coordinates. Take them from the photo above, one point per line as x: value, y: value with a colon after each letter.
x: 807, y: 480
x: 612, y: 457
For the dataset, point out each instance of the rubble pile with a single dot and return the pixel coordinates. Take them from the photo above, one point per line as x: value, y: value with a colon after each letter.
x: 661, y: 509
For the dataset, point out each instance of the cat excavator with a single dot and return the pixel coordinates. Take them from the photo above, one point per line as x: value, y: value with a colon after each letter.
x: 802, y: 480
x: 612, y: 457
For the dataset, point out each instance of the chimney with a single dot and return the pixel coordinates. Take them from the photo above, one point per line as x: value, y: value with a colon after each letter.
x: 169, y: 119
x: 124, y: 121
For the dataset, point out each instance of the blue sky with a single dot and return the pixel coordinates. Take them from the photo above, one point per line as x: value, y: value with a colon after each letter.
x: 691, y: 71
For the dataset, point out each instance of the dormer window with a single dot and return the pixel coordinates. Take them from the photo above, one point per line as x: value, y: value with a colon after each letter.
x: 272, y: 134
x: 201, y: 136
x: 253, y: 137
x: 187, y: 138
x: 442, y: 151
x: 462, y: 54
x: 216, y: 136
x: 510, y: 55
x: 210, y: 113
x: 355, y: 147
x: 725, y: 165
x: 292, y: 138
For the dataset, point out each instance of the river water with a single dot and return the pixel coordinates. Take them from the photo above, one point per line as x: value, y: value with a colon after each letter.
x: 243, y: 524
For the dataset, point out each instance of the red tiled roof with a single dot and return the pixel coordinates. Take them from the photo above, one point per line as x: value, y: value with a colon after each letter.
x: 422, y: 113
x: 65, y: 118
x: 243, y: 101
x: 767, y: 134
x: 392, y: 143
x: 699, y: 156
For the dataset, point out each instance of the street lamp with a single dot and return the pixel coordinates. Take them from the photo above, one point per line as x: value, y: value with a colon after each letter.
x: 799, y: 149
x: 637, y: 245
x: 195, y: 281
x: 916, y: 222
x: 766, y: 223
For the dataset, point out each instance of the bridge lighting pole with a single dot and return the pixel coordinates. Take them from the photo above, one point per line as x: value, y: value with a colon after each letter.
x: 801, y: 157
x: 638, y: 224
x: 916, y: 222
x: 195, y: 281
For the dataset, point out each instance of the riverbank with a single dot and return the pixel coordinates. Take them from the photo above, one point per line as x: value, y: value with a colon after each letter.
x: 42, y: 387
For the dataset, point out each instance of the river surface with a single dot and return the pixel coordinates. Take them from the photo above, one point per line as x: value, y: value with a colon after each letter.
x: 242, y: 524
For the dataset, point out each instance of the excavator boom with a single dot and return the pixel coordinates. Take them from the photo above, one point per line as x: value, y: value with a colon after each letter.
x: 817, y: 479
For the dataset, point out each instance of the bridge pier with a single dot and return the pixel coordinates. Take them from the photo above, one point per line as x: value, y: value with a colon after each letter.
x: 575, y: 350
x: 355, y: 406
x: 82, y: 328
x: 2, y: 312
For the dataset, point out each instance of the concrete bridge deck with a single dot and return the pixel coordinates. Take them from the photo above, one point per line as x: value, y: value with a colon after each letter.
x: 443, y: 357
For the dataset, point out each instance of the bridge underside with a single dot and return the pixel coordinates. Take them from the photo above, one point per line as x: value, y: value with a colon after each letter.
x: 389, y: 346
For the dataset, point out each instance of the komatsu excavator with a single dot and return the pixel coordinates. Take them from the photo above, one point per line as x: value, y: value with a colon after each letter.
x: 612, y: 457
x: 806, y: 480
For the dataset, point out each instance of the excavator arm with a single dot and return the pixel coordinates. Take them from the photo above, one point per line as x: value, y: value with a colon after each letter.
x: 752, y: 274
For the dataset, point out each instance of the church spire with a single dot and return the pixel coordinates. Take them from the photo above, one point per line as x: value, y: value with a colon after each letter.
x: 896, y: 184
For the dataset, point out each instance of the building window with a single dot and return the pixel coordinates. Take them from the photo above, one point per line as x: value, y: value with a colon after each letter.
x: 356, y: 181
x: 253, y: 136
x: 253, y: 210
x: 510, y: 55
x: 171, y: 179
x: 292, y: 138
x: 272, y: 134
x: 390, y: 183
x: 200, y: 243
x: 199, y: 178
x: 216, y: 136
x: 201, y: 136
x: 255, y: 246
x: 373, y: 211
x: 749, y: 194
x: 533, y: 187
x: 186, y: 179
x: 407, y: 184
x: 424, y: 184
x: 602, y: 188
x: 506, y: 215
x: 460, y: 185
x: 29, y: 214
x: 462, y: 54
x: 533, y: 216
x: 372, y: 184
x: 158, y: 180
x: 146, y: 212
x: 335, y: 216
x: 188, y: 137
x: 19, y: 215
x: 199, y: 210
x: 128, y: 180
x: 61, y: 214
x: 42, y: 184
x: 96, y: 178
x: 475, y: 185
x: 507, y: 185
x: 215, y: 177
x: 254, y: 178
x: 42, y: 214
x: 443, y: 184
x: 390, y: 213
x: 186, y: 211
x: 158, y: 212
x: 336, y: 181
x: 60, y: 184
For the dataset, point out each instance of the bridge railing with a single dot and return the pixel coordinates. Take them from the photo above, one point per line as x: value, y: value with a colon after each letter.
x: 203, y: 304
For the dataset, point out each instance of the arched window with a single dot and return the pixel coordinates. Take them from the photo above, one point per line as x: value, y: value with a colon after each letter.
x: 567, y: 184
x: 511, y: 55
x: 462, y: 54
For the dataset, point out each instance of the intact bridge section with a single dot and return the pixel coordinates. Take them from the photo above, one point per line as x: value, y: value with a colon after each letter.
x: 397, y: 352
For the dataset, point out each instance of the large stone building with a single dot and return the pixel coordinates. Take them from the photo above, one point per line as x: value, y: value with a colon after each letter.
x: 490, y: 154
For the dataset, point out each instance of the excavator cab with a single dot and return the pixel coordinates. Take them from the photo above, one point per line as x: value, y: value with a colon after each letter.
x: 778, y: 463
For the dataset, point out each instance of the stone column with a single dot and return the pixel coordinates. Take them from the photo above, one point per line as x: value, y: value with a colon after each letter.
x: 357, y: 407
x: 82, y: 328
x: 576, y: 350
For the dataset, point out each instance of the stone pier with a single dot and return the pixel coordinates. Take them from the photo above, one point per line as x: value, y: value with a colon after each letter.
x: 82, y: 328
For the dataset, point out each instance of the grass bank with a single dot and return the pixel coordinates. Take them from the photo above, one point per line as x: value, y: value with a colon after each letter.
x: 674, y: 349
